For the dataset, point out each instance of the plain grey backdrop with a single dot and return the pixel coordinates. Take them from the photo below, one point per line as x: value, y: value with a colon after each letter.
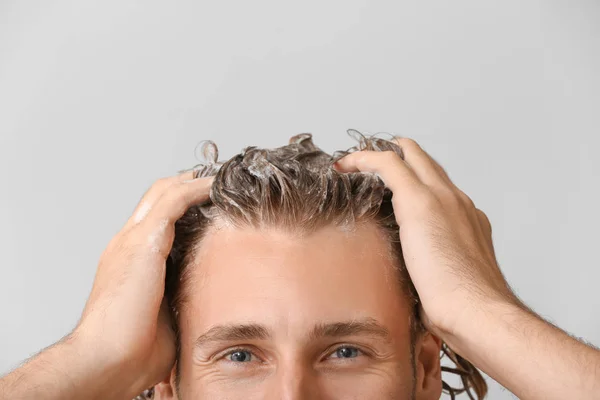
x: 98, y: 99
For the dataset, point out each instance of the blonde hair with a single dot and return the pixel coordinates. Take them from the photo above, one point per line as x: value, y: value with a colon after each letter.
x: 295, y: 187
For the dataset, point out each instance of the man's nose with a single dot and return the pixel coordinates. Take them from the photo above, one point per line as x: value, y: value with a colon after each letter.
x: 294, y: 381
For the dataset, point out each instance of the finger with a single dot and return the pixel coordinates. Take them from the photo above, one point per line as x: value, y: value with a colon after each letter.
x: 177, y: 199
x: 153, y: 194
x: 425, y: 167
x: 394, y: 172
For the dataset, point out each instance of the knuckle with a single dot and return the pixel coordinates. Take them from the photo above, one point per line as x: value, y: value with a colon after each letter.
x: 360, y: 160
x: 155, y: 189
x: 466, y: 199
x: 407, y: 142
x: 438, y: 166
x: 449, y: 196
x: 181, y: 193
x: 161, y: 183
x: 390, y: 156
x: 174, y: 192
x: 483, y: 217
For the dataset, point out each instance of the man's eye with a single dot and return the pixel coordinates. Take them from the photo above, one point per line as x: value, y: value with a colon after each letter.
x: 240, y: 356
x: 346, y: 352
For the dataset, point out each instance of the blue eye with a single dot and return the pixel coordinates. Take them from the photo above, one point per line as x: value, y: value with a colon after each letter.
x: 240, y: 356
x: 347, y: 352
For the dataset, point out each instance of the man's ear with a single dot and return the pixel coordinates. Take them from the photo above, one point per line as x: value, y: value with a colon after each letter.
x: 165, y: 390
x: 428, y: 367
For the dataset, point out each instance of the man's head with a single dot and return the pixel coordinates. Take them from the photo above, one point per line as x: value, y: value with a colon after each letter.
x: 290, y: 283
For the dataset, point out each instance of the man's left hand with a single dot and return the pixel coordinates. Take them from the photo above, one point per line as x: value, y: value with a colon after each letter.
x: 446, y: 240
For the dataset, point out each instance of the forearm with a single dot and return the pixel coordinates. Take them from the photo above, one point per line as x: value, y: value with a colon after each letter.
x: 528, y: 356
x: 67, y: 369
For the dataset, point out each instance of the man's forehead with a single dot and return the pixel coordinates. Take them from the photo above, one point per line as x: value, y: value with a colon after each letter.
x: 283, y: 279
x: 243, y: 255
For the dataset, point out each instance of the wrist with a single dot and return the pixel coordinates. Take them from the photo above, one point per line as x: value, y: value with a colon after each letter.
x: 103, y: 370
x: 501, y: 337
x: 484, y: 319
x: 67, y: 369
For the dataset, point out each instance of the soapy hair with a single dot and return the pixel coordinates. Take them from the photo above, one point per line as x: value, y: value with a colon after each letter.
x: 294, y: 187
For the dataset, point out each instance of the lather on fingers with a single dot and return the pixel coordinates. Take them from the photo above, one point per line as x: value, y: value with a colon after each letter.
x: 153, y: 194
x: 158, y: 226
x: 180, y: 196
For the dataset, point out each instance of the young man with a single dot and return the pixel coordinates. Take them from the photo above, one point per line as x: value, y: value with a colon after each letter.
x: 282, y: 277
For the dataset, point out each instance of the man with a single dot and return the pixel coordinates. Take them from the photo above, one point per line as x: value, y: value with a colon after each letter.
x: 282, y: 277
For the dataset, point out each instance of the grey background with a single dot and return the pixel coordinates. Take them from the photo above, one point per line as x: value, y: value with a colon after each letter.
x: 98, y: 99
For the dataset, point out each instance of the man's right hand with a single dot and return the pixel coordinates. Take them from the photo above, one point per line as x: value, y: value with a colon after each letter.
x: 123, y: 317
x: 125, y: 324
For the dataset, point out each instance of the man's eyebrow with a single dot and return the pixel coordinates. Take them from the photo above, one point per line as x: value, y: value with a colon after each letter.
x: 228, y: 333
x: 366, y: 326
x: 224, y: 333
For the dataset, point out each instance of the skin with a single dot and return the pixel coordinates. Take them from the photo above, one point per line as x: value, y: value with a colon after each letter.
x: 308, y: 297
x: 122, y: 344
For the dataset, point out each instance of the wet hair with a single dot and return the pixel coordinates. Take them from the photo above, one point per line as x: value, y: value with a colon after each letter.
x: 295, y: 188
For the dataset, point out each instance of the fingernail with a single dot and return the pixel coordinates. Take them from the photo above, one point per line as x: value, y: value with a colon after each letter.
x: 337, y: 165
